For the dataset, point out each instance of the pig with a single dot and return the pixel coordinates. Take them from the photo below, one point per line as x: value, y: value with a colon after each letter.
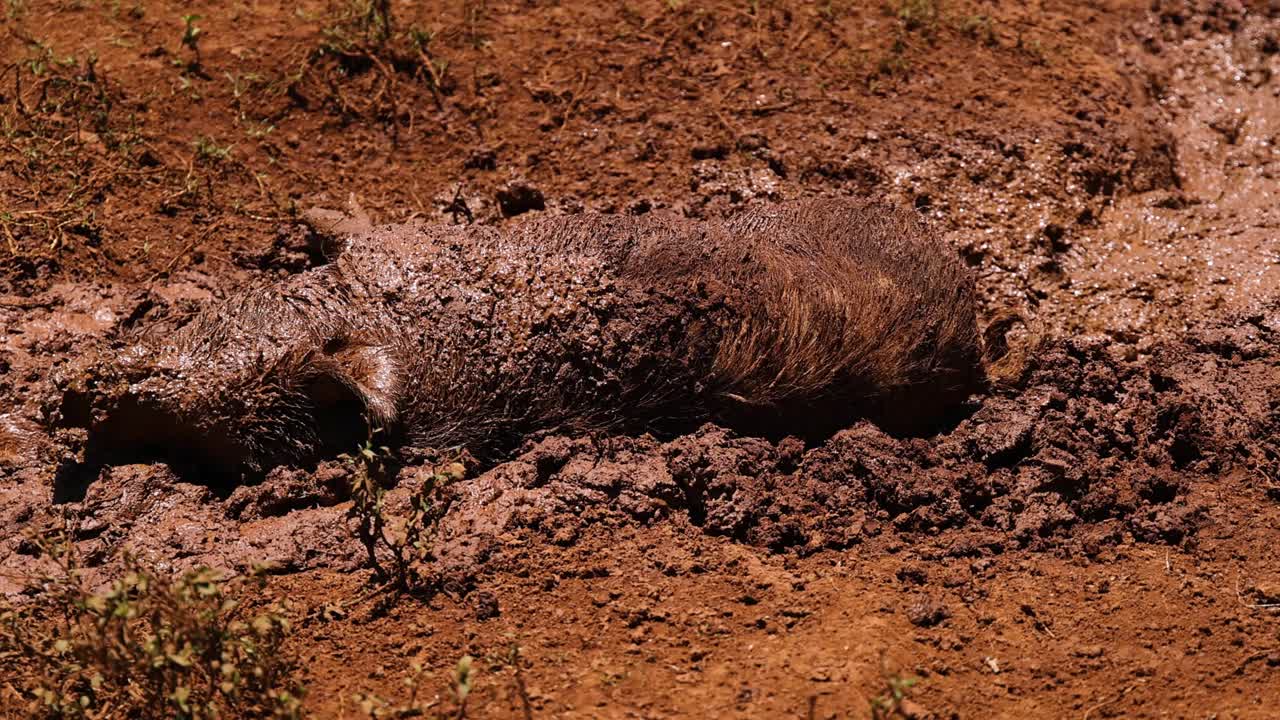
x: 787, y: 319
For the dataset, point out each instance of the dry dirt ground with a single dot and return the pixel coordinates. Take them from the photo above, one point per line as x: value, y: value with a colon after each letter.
x: 1096, y: 538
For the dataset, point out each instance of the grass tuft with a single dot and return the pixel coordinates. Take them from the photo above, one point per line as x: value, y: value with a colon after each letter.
x: 365, y: 64
x: 399, y: 549
x: 145, y: 647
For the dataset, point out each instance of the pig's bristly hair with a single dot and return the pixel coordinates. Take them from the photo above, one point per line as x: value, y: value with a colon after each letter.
x: 859, y: 303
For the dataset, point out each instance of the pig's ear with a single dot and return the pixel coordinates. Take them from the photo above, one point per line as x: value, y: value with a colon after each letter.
x: 365, y: 376
x: 335, y: 228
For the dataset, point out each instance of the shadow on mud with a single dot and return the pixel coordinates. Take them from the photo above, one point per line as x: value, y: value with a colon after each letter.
x: 133, y: 433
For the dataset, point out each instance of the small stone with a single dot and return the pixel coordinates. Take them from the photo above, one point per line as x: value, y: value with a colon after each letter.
x: 485, y: 605
x: 927, y: 611
x: 518, y: 198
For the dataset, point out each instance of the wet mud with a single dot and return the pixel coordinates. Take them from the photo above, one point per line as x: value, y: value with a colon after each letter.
x: 1094, y: 447
x: 1091, y: 534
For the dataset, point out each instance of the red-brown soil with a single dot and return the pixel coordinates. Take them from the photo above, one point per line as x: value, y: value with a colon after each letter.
x: 1095, y: 537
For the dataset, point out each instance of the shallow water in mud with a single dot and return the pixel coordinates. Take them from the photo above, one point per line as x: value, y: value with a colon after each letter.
x: 1165, y: 259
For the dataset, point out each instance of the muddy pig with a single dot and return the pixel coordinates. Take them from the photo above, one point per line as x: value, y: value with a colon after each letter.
x: 791, y: 319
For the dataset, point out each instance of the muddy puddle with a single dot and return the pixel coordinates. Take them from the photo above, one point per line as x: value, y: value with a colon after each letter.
x: 1159, y: 261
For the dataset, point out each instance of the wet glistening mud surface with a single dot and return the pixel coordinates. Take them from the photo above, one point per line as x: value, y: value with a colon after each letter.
x: 674, y: 497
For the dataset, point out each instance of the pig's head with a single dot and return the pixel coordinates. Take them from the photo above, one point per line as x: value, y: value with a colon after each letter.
x: 277, y: 375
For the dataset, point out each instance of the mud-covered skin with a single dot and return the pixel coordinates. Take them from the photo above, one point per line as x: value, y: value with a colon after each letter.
x: 786, y: 319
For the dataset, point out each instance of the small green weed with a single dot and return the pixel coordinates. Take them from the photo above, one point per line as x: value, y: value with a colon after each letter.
x: 513, y: 659
x: 135, y: 11
x: 361, y: 45
x: 146, y: 647
x: 208, y: 149
x: 59, y: 105
x: 191, y: 35
x: 246, y: 91
x: 1035, y: 48
x: 376, y: 707
x: 397, y: 548
x: 360, y: 23
x: 462, y: 678
x: 889, y: 703
x: 979, y: 28
x: 894, y: 63
x: 918, y: 15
